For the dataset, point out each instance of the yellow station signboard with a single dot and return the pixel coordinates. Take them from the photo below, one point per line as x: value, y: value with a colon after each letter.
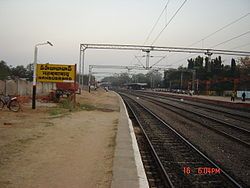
x: 55, y: 73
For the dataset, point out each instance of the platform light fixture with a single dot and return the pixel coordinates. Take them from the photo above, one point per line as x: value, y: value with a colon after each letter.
x: 34, y: 72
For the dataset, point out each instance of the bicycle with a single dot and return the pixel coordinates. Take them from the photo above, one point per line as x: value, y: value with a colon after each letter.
x: 10, y: 102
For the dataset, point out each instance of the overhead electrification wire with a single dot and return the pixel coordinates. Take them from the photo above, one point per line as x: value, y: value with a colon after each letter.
x: 165, y: 7
x: 156, y: 22
x: 237, y: 47
x: 158, y: 61
x: 231, y: 39
x: 185, y: 58
x: 169, y: 22
x: 231, y: 23
x: 241, y: 46
x: 213, y: 33
x: 166, y: 26
x: 158, y: 19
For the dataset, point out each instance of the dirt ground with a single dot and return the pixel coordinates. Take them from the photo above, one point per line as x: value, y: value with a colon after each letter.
x: 59, y: 147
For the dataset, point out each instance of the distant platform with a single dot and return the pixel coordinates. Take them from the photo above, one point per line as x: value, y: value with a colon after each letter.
x: 218, y: 100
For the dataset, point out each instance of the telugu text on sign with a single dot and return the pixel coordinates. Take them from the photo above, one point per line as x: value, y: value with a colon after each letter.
x: 55, y: 73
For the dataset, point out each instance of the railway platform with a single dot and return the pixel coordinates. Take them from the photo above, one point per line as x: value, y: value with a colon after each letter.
x: 128, y: 170
x: 219, y: 100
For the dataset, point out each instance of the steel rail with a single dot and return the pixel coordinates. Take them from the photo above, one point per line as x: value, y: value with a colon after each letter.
x: 207, y: 117
x: 190, y: 144
x: 164, y: 175
x: 199, y: 105
x: 205, y: 107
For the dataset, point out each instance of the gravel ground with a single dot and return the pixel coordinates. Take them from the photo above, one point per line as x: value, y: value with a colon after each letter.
x: 231, y: 156
x: 56, y: 147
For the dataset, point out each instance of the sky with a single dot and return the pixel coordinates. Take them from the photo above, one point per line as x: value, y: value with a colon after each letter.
x: 68, y: 23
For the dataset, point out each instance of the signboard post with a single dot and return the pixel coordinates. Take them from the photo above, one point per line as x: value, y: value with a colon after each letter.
x: 57, y: 73
x: 75, y: 88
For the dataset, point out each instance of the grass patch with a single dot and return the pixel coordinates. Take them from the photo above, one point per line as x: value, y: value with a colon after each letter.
x: 55, y: 111
x: 66, y: 106
x: 62, y: 108
x: 87, y: 107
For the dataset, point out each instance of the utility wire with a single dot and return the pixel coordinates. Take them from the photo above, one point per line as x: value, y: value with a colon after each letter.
x: 231, y: 23
x: 225, y: 26
x: 241, y: 46
x: 158, y: 19
x: 169, y: 22
x: 158, y: 61
x: 231, y: 39
x: 140, y: 62
x: 185, y: 58
x: 156, y: 22
x: 247, y: 44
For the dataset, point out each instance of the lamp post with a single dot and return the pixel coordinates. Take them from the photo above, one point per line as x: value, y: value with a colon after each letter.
x: 34, y: 73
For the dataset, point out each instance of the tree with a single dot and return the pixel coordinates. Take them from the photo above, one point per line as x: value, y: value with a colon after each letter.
x: 154, y: 78
x: 110, y: 79
x: 4, y: 70
x: 233, y: 68
x: 217, y: 66
x: 198, y: 62
x: 245, y: 63
x: 139, y: 78
x: 16, y: 72
x: 19, y: 71
x: 233, y: 65
x: 118, y: 80
x: 190, y: 63
x: 124, y: 78
x: 244, y: 73
x: 29, y: 72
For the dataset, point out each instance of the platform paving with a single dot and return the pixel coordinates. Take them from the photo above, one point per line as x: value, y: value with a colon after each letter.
x: 222, y: 98
x: 128, y: 170
x: 217, y: 100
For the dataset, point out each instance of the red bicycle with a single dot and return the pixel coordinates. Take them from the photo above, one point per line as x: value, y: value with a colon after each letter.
x: 10, y: 102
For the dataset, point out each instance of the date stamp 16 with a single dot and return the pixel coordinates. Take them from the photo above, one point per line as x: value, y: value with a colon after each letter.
x: 201, y: 170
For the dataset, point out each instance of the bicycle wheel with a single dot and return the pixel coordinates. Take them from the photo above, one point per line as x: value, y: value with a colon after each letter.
x: 14, y: 106
x: 1, y: 104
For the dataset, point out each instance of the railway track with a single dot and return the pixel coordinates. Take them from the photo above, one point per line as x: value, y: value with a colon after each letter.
x: 179, y: 162
x: 155, y: 178
x: 225, y: 128
x: 226, y: 114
